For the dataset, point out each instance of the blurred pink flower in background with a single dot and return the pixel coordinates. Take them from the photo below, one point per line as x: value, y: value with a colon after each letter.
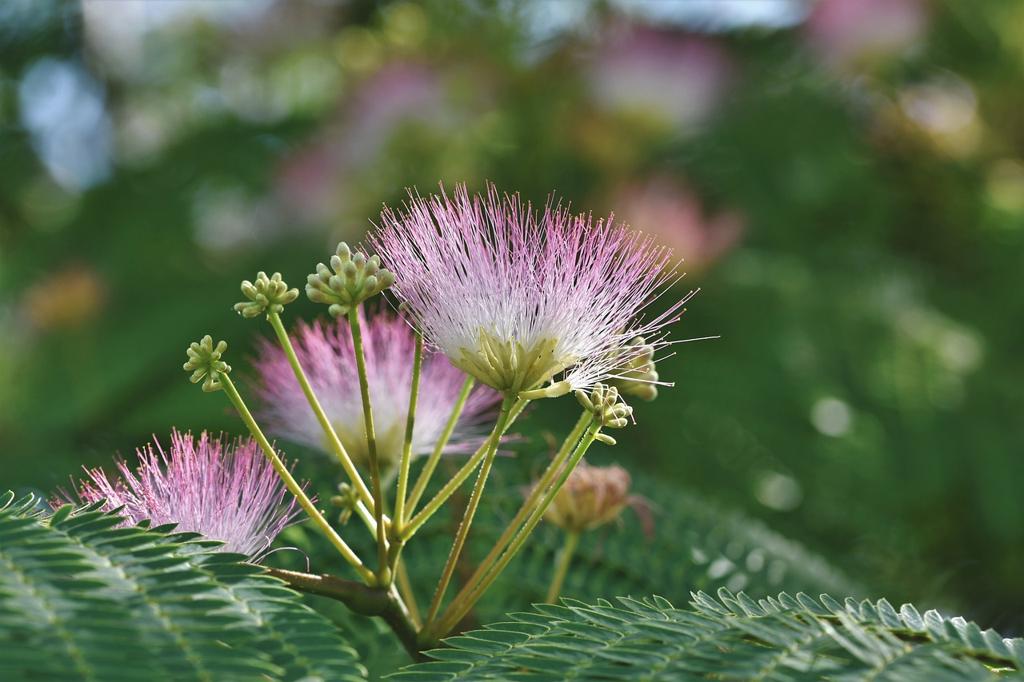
x: 312, y: 182
x: 308, y: 183
x: 845, y: 32
x: 673, y: 78
x: 397, y: 93
x: 676, y: 215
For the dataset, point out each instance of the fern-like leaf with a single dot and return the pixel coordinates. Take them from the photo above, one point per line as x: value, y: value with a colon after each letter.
x: 732, y: 637
x: 84, y: 599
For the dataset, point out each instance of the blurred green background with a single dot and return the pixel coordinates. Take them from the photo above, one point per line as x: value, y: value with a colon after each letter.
x: 844, y: 179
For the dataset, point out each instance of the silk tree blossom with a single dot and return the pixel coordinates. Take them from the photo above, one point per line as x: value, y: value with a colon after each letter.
x: 324, y: 350
x: 224, y: 491
x: 516, y: 297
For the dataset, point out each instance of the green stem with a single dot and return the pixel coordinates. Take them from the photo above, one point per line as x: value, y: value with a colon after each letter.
x: 410, y: 423
x: 383, y: 573
x: 471, y: 593
x: 467, y: 517
x: 339, y: 450
x: 367, y: 516
x: 572, y: 539
x: 531, y: 501
x: 408, y: 595
x: 289, y: 481
x: 465, y: 471
x: 442, y: 443
x: 368, y: 601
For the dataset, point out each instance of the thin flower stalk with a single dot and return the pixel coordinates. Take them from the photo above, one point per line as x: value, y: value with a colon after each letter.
x: 362, y: 491
x: 408, y: 594
x: 403, y: 467
x: 572, y: 540
x: 383, y: 572
x: 267, y: 296
x: 471, y: 592
x: 461, y: 476
x: 431, y: 464
x: 396, y: 543
x: 467, y: 517
x: 293, y: 487
x: 534, y: 497
x: 591, y: 497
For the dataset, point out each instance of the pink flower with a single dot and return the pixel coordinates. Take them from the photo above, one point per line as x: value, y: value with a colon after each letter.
x: 325, y: 352
x: 846, y: 32
x: 675, y: 213
x: 226, y: 492
x: 517, y: 297
x: 663, y: 77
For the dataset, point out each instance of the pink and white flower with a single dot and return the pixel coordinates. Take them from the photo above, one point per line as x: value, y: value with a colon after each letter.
x: 517, y: 297
x: 324, y: 350
x: 224, y: 491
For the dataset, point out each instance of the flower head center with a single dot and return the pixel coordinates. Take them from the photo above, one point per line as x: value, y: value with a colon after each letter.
x: 509, y: 366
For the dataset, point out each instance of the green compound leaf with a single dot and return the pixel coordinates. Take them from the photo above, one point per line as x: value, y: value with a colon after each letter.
x: 732, y: 638
x: 82, y: 599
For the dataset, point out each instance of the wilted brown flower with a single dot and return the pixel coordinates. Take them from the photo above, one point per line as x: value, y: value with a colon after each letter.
x: 591, y: 497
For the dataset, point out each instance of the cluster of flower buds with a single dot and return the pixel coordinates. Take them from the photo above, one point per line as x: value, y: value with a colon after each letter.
x: 345, y: 501
x: 354, y: 279
x: 636, y: 374
x: 605, y: 403
x: 591, y: 497
x: 266, y: 295
x: 205, y: 364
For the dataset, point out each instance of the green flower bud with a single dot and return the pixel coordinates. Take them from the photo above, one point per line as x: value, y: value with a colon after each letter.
x: 636, y: 372
x: 346, y: 500
x: 266, y: 295
x: 352, y: 278
x: 607, y: 407
x: 205, y: 364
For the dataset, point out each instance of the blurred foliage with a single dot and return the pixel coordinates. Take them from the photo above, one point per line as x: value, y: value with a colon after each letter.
x: 845, y: 181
